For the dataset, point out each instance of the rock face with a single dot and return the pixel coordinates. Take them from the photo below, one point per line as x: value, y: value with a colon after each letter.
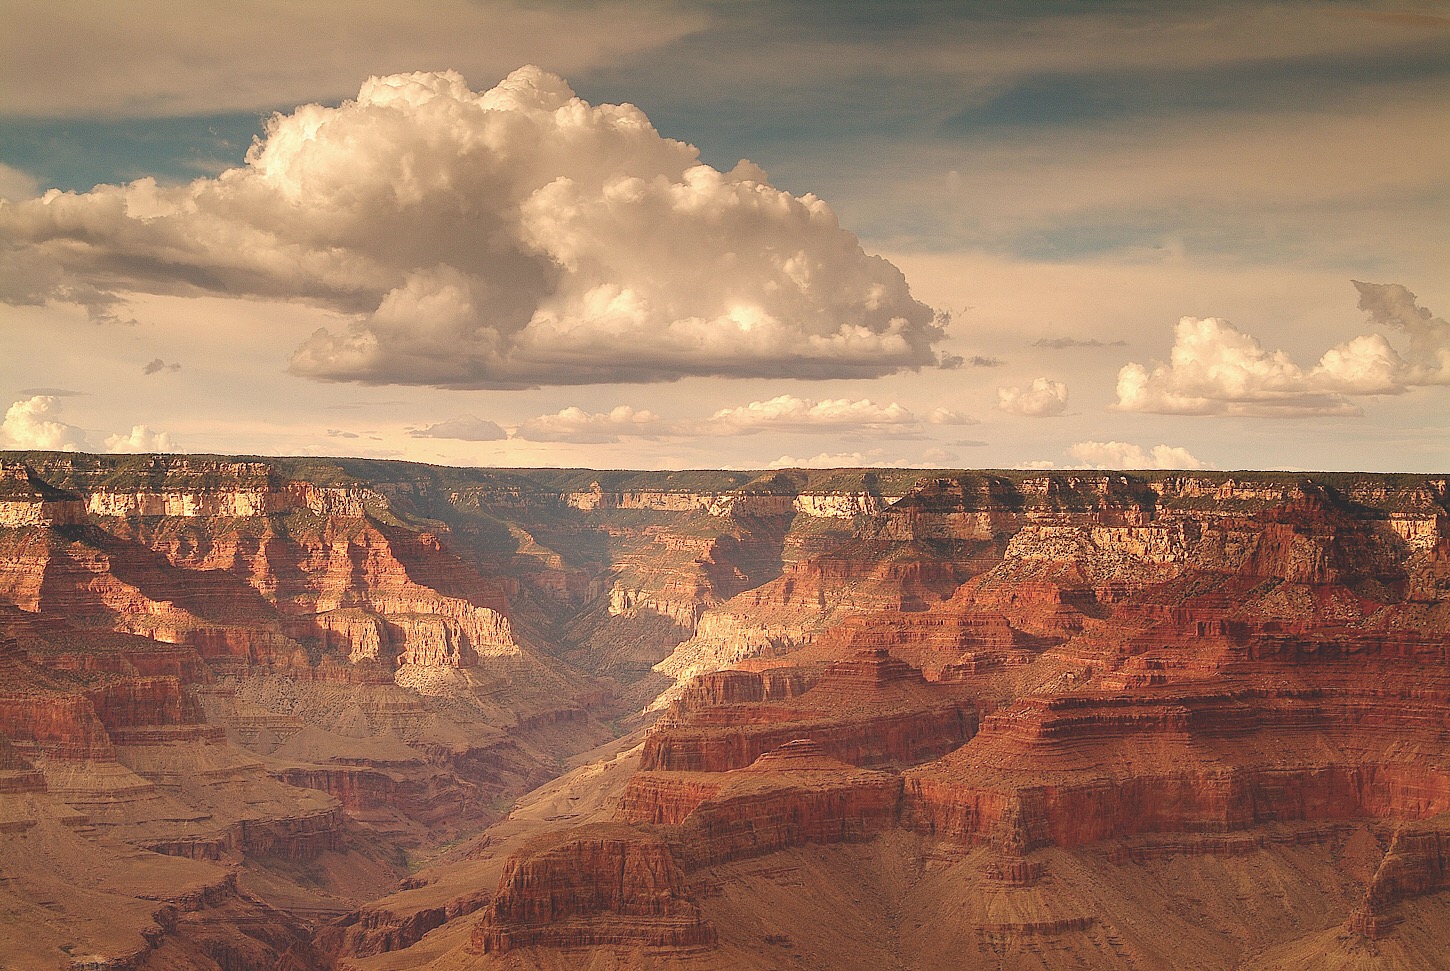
x: 1058, y: 720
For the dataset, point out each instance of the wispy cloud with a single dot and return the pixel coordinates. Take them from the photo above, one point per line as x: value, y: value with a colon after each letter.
x: 157, y: 366
x: 1070, y: 343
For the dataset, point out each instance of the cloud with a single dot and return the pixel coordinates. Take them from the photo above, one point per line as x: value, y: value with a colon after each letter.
x: 938, y: 455
x: 248, y: 57
x: 577, y: 426
x: 1067, y: 343
x: 156, y: 365
x: 341, y: 433
x: 833, y: 460
x: 53, y: 392
x: 141, y: 438
x: 16, y: 185
x: 1392, y: 305
x: 1121, y: 455
x: 784, y: 413
x: 871, y: 459
x: 948, y: 416
x: 787, y: 413
x: 33, y: 423
x: 1045, y: 399
x: 1216, y: 369
x: 512, y: 238
x: 954, y: 362
x: 466, y: 428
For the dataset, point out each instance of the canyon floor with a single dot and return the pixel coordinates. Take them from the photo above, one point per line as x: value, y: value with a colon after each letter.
x: 355, y: 715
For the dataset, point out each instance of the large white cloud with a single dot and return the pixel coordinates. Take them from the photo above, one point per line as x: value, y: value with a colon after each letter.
x: 1216, y: 369
x: 509, y: 238
x: 35, y: 423
x: 1046, y: 398
x: 1123, y: 455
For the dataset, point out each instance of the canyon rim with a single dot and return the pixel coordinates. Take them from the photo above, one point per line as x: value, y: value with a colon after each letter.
x: 632, y: 485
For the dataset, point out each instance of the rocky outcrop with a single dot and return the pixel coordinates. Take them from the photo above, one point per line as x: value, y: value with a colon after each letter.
x: 870, y: 710
x: 554, y: 895
x: 300, y: 661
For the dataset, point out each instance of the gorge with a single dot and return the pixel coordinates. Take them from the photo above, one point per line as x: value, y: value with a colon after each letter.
x: 309, y: 713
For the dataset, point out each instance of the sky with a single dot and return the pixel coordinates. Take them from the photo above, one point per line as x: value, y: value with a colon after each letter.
x: 771, y: 233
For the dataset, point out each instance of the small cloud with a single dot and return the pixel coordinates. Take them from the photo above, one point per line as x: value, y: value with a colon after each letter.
x: 156, y: 366
x: 939, y: 456
x: 339, y: 433
x: 787, y: 413
x: 947, y: 416
x: 953, y: 362
x: 829, y: 460
x: 53, y: 392
x: 1065, y: 343
x: 141, y: 438
x: 871, y: 459
x: 577, y: 426
x: 467, y: 428
x: 1044, y: 399
x: 1122, y: 455
x: 1038, y: 465
x: 34, y: 423
x: 354, y: 405
x: 970, y: 443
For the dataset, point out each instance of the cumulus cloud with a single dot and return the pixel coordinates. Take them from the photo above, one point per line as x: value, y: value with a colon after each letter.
x: 871, y: 459
x: 156, y: 366
x: 577, y: 426
x: 837, y: 460
x: 511, y: 238
x: 1216, y: 369
x: 787, y: 413
x: 1044, y: 399
x: 465, y: 428
x: 1068, y: 343
x: 1392, y: 305
x: 1122, y: 455
x: 35, y: 423
x: 141, y: 438
x: 949, y: 416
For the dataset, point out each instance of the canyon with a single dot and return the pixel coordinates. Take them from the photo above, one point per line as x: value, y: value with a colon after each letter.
x: 362, y: 715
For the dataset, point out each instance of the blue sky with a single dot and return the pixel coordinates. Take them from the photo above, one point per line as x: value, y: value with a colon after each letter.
x: 1088, y: 172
